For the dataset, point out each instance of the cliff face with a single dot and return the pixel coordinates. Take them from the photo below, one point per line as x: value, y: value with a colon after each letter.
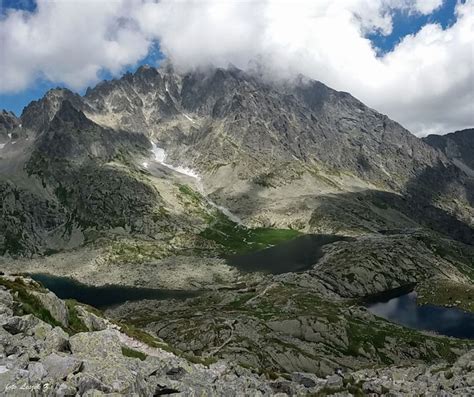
x: 457, y: 146
x: 207, y: 119
x: 8, y: 125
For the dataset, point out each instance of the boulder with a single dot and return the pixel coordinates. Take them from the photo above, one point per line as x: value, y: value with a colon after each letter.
x: 100, y: 344
x: 334, y: 382
x: 88, y: 383
x: 54, y: 305
x: 58, y: 367
x: 56, y: 340
x: 92, y: 321
x: 36, y: 372
x: 65, y: 389
x: 16, y: 324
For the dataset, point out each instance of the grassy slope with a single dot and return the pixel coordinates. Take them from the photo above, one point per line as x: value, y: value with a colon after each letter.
x: 235, y: 238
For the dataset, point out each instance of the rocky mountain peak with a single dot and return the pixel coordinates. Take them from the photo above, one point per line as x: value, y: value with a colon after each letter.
x: 37, y: 115
x: 273, y: 121
x: 68, y: 116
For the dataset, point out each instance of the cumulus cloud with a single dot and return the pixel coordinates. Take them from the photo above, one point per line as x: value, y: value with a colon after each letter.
x: 426, y: 82
x: 68, y: 41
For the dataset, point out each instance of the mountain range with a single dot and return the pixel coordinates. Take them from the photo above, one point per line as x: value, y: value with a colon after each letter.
x: 276, y: 154
x: 154, y: 179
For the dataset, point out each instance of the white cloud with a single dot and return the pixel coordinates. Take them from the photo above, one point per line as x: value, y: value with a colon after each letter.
x: 426, y: 82
x: 427, y: 6
x: 68, y: 41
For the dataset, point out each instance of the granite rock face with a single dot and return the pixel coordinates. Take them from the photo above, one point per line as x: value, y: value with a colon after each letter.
x: 457, y: 146
x: 243, y: 116
x: 107, y: 361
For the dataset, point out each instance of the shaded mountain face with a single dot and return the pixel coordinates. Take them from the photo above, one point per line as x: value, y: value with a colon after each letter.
x: 457, y: 146
x: 8, y: 124
x: 38, y: 114
x: 286, y: 154
x: 70, y: 135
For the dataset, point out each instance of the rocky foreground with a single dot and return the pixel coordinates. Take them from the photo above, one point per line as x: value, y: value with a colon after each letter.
x: 51, y: 347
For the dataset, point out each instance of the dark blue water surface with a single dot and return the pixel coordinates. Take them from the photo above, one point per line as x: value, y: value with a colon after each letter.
x: 447, y: 321
x: 105, y: 296
x: 295, y: 255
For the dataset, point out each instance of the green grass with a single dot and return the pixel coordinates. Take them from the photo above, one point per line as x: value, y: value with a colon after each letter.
x: 27, y: 303
x: 230, y: 236
x: 127, y: 352
x: 235, y: 238
x: 134, y: 251
x: 446, y: 293
x: 362, y: 334
x: 75, y: 323
x: 140, y: 335
x: 191, y: 194
x: 206, y: 361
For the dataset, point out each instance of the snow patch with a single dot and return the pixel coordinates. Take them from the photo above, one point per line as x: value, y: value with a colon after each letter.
x: 160, y: 156
x: 2, y: 145
x: 10, y: 135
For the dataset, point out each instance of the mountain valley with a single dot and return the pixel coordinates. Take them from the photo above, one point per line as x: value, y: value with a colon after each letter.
x: 161, y: 180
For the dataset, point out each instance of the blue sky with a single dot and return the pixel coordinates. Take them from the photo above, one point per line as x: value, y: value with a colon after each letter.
x: 405, y: 23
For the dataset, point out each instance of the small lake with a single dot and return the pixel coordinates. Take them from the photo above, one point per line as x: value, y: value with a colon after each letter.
x: 403, y: 310
x: 105, y: 296
x: 295, y: 255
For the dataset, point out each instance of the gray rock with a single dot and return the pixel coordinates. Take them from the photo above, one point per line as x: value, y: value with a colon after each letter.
x: 6, y: 299
x: 304, y: 379
x: 54, y: 305
x: 458, y: 146
x: 56, y: 340
x: 92, y: 321
x: 16, y: 324
x: 65, y: 390
x: 334, y: 382
x: 58, y: 367
x: 36, y: 372
x: 100, y: 344
x: 90, y: 383
x: 176, y: 373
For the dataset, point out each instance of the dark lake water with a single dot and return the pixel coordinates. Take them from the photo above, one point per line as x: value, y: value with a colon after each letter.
x: 295, y: 255
x: 105, y: 296
x: 442, y: 320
